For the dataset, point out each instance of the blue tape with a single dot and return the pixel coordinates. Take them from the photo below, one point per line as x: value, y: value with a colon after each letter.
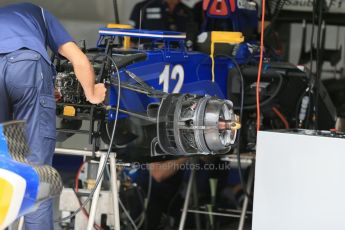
x: 3, y: 144
x: 24, y: 170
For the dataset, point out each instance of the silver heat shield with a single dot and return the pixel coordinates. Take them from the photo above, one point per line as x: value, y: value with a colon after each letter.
x: 191, y: 124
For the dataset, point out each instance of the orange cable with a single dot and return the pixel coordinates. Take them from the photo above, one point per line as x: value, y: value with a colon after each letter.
x: 282, y: 117
x: 98, y: 227
x: 258, y: 120
x: 76, y: 183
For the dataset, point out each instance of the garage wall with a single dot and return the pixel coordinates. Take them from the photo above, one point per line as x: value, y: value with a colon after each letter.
x: 335, y: 38
x: 90, y: 10
x: 82, y: 18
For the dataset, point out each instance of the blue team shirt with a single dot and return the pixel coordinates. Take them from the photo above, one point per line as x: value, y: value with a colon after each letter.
x: 26, y: 25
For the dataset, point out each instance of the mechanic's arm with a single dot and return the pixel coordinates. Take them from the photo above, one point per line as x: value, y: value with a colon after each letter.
x: 161, y: 171
x: 84, y: 72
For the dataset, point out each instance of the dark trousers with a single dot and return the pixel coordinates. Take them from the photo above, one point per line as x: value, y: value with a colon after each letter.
x: 27, y: 93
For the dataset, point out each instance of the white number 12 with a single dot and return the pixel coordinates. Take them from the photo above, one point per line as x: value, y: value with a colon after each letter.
x: 164, y: 78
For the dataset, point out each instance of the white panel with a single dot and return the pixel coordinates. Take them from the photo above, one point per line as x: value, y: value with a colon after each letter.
x: 299, y: 182
x: 335, y: 6
x: 190, y: 3
x: 19, y: 186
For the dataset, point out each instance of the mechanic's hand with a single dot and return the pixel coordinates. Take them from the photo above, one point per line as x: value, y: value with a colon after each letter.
x: 98, y: 94
x: 57, y: 95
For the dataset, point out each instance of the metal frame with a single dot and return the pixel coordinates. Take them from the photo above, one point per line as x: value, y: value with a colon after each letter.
x: 243, y: 213
x: 114, y: 191
x: 113, y: 182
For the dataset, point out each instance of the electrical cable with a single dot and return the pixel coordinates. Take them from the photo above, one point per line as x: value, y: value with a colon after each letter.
x: 298, y: 105
x: 146, y: 202
x: 282, y: 117
x: 277, y: 8
x: 242, y: 85
x: 121, y: 204
x: 141, y: 199
x: 142, y: 215
x: 267, y: 101
x: 127, y: 214
x: 237, y: 143
x: 86, y: 214
x: 109, y: 150
x: 318, y: 64
x: 311, y: 62
x: 76, y: 182
x: 242, y: 81
x: 173, y: 199
x: 75, y: 190
x: 312, y: 39
x: 258, y: 118
x: 116, y: 12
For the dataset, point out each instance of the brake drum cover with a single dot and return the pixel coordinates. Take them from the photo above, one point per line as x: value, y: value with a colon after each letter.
x: 191, y: 124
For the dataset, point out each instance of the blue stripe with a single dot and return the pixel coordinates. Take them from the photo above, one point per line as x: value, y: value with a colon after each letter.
x: 23, y: 170
x: 3, y: 144
x: 167, y: 35
x: 31, y: 178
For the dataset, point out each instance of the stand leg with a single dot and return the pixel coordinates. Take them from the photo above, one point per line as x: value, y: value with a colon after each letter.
x: 96, y: 194
x: 186, y: 201
x: 196, y: 204
x: 21, y: 223
x: 114, y: 191
x: 246, y: 199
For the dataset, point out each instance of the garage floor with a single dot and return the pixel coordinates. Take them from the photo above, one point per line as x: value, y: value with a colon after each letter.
x: 68, y: 179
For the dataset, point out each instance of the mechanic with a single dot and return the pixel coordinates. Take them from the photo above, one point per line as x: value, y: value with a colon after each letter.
x: 170, y: 15
x: 210, y: 23
x: 27, y: 83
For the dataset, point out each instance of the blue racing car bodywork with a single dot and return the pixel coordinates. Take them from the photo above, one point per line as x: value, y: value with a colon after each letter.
x: 173, y: 69
x: 23, y: 186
